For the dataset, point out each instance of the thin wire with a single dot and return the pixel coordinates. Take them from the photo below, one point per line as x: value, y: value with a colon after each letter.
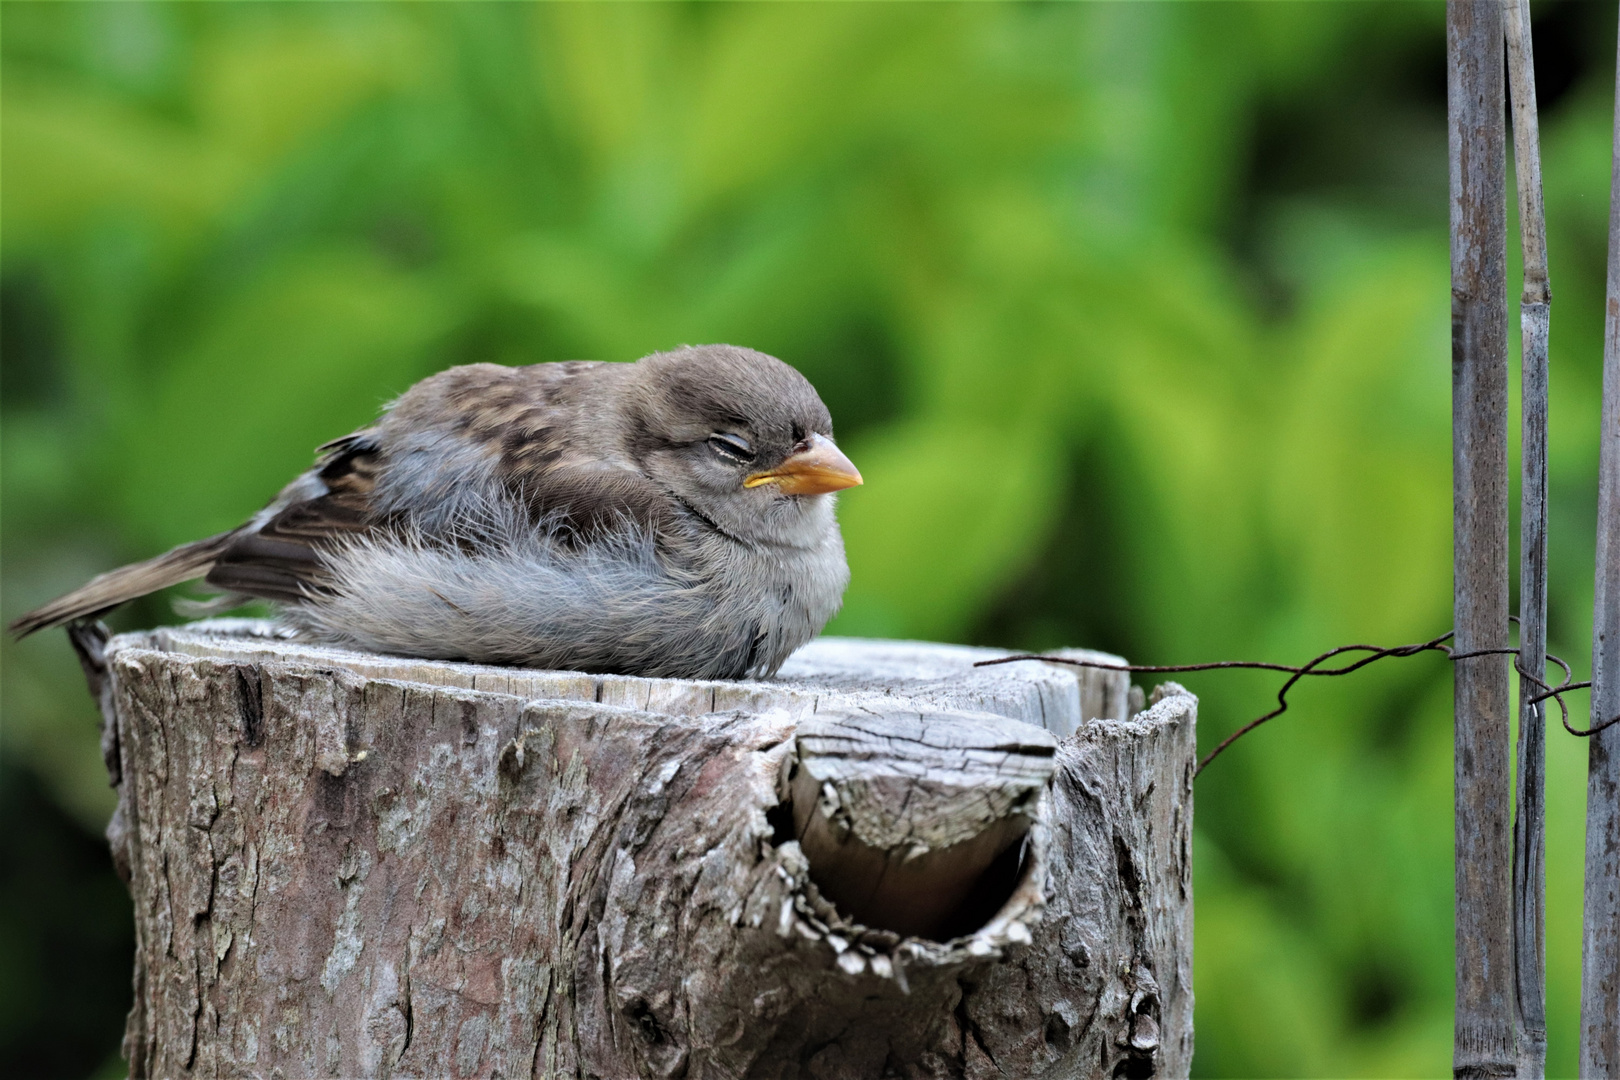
x: 1314, y: 668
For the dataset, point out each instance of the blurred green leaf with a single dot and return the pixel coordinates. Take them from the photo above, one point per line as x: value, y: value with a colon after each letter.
x: 949, y: 512
x: 1132, y: 315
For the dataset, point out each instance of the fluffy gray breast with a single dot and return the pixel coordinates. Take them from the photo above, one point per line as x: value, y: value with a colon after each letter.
x: 623, y: 602
x: 786, y: 593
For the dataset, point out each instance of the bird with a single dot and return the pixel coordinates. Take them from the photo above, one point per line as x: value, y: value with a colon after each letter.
x: 669, y: 517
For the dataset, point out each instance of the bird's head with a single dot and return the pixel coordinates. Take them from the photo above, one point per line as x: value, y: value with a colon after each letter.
x: 742, y: 439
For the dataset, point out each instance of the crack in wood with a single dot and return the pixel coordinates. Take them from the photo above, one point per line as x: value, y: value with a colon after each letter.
x: 571, y: 888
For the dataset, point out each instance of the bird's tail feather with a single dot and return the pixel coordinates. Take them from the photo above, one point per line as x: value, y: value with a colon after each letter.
x: 108, y: 590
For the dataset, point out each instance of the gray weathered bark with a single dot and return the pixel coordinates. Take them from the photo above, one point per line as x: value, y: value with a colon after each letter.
x: 1600, y: 953
x: 349, y: 865
x: 1530, y: 804
x: 1487, y: 1016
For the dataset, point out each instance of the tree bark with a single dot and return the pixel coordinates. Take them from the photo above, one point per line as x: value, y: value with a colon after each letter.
x: 1530, y: 792
x: 1600, y: 949
x: 1486, y: 1021
x: 354, y: 865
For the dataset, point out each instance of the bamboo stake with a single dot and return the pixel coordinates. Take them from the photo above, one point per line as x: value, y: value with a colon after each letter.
x: 1600, y: 953
x: 1486, y: 1014
x: 1530, y: 822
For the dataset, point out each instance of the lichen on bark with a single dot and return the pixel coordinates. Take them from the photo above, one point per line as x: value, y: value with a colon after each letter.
x: 354, y: 865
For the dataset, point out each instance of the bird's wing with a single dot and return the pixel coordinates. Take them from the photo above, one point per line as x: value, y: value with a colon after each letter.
x: 432, y: 471
x: 281, y: 559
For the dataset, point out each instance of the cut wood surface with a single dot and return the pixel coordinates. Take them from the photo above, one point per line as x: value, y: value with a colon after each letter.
x: 355, y: 865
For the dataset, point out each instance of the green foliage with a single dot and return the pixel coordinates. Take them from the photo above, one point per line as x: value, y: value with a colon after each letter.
x: 1134, y: 316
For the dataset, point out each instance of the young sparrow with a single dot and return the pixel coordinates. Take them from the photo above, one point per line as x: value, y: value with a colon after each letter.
x: 669, y: 517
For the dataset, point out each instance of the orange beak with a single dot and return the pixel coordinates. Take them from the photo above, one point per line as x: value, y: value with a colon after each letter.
x: 816, y: 468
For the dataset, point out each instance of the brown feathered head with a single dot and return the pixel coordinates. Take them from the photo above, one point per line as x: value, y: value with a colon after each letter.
x: 738, y: 436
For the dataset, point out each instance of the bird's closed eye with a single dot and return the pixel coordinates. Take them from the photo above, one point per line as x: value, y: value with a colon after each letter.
x: 733, y: 447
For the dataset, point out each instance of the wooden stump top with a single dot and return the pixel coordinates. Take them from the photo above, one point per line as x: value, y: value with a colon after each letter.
x: 883, y: 862
x: 845, y: 671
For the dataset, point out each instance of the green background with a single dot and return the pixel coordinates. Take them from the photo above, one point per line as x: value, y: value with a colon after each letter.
x: 1134, y: 317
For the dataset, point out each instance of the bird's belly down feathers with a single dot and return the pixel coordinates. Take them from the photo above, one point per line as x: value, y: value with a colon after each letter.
x: 615, y: 605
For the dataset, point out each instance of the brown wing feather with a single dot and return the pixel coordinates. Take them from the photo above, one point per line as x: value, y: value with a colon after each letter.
x: 281, y: 560
x: 514, y: 412
x: 532, y: 415
x: 107, y: 591
x: 526, y: 412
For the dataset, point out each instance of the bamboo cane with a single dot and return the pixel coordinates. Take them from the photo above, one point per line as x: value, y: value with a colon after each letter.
x: 1600, y: 953
x: 1530, y: 821
x: 1486, y: 1013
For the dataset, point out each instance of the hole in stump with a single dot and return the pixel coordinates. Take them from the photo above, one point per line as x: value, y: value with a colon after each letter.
x: 927, y: 898
x: 780, y: 819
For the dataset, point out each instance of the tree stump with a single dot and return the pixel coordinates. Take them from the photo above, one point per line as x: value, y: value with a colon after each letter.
x: 884, y: 862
